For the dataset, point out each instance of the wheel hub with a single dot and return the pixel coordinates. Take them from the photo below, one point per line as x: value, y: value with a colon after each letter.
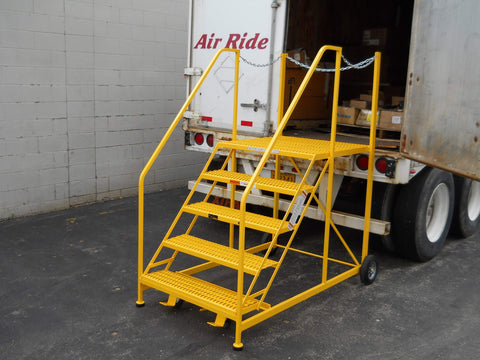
x: 437, y: 212
x: 473, y: 207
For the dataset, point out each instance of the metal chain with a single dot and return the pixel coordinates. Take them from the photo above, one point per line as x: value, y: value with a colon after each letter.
x: 360, y: 65
x: 259, y: 65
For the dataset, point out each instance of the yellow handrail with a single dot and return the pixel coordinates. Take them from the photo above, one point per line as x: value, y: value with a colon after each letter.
x: 151, y: 161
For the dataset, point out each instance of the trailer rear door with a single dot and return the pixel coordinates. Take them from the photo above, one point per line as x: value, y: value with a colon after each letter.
x: 244, y: 25
x: 442, y: 115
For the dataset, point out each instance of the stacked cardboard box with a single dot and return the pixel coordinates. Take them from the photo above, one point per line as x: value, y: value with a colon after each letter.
x: 358, y: 112
x: 314, y: 103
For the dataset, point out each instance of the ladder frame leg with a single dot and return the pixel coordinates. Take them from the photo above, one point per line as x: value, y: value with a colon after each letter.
x: 238, y: 345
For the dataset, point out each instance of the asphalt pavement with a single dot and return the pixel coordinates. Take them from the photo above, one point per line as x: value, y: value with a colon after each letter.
x: 68, y: 291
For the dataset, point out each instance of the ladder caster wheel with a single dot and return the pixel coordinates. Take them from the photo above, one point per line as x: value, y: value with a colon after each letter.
x: 369, y: 270
x: 238, y: 347
x: 140, y: 304
x: 178, y: 304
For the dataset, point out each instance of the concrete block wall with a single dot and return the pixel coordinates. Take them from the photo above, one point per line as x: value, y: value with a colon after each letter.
x: 87, y: 89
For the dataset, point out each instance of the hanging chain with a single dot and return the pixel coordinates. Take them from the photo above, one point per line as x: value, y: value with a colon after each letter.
x: 259, y: 65
x: 360, y: 65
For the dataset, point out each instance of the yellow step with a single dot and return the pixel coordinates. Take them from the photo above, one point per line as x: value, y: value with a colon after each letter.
x: 217, y: 253
x: 297, y: 147
x: 199, y: 292
x: 232, y: 216
x: 262, y: 183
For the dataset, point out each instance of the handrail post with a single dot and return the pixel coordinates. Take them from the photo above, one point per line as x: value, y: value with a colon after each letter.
x: 331, y: 165
x: 281, y: 100
x: 371, y: 155
x: 233, y: 159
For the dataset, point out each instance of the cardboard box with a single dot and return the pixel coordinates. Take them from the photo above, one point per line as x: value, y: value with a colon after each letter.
x: 375, y: 37
x: 368, y: 97
x: 347, y: 115
x: 311, y: 108
x: 360, y: 104
x: 314, y: 103
x: 365, y: 116
x: 396, y: 100
x: 390, y: 120
x: 299, y: 55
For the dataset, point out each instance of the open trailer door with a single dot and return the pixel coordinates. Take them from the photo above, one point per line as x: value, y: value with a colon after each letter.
x: 442, y: 115
x: 256, y: 28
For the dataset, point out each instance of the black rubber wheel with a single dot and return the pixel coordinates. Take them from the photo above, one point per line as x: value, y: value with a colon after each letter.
x: 466, y: 215
x: 382, y: 209
x: 423, y: 213
x: 369, y: 270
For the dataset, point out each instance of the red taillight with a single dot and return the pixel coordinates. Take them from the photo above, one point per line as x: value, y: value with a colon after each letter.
x: 210, y: 140
x: 199, y: 139
x: 381, y: 165
x: 362, y: 162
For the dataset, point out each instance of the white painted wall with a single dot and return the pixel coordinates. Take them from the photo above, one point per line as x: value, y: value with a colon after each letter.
x: 87, y: 88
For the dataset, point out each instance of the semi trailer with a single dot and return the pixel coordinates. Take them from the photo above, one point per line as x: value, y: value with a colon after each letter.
x: 427, y: 149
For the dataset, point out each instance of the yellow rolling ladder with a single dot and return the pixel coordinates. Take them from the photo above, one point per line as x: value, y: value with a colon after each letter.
x: 246, y: 303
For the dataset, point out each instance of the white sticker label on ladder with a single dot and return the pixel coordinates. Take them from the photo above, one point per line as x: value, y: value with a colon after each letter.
x: 297, y: 210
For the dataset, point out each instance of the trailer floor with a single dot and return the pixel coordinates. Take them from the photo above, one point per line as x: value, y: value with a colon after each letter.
x: 68, y: 291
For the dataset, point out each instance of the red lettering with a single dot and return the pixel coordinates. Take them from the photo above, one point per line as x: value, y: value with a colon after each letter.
x: 262, y: 44
x: 250, y: 44
x: 232, y: 41
x: 242, y: 41
x: 209, y: 45
x: 235, y: 41
x: 216, y: 42
x: 202, y: 42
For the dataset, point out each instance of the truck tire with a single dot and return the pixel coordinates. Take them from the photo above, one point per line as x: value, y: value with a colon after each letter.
x: 382, y: 209
x: 466, y: 215
x: 423, y: 214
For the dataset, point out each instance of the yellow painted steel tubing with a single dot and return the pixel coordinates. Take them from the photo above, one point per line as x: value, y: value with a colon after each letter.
x: 258, y: 318
x: 331, y: 164
x: 263, y: 160
x: 146, y: 169
x: 371, y: 156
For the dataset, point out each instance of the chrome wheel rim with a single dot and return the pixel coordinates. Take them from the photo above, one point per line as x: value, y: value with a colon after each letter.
x: 437, y: 212
x: 473, y: 206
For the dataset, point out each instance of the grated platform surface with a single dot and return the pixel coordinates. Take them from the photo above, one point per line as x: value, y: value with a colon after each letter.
x: 197, y: 291
x: 232, y: 216
x: 297, y: 147
x: 217, y: 253
x: 262, y: 183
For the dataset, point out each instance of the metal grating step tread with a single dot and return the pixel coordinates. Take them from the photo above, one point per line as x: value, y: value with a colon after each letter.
x: 262, y: 183
x: 232, y: 216
x: 199, y: 292
x: 297, y: 147
x: 217, y: 253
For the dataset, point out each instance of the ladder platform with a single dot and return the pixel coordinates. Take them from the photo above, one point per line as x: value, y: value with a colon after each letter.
x: 297, y: 147
x: 217, y: 253
x: 232, y: 216
x: 199, y: 292
x: 262, y: 183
